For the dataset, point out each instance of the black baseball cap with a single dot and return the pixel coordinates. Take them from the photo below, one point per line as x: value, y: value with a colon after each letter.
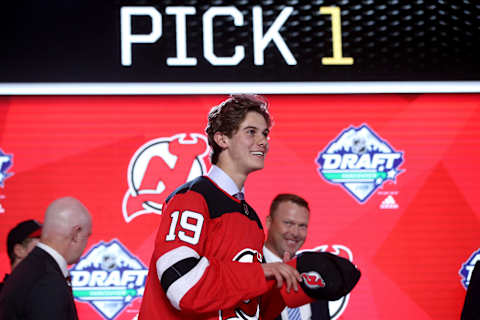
x: 23, y: 230
x: 338, y: 275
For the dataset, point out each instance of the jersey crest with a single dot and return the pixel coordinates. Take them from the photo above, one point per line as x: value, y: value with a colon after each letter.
x: 248, y: 309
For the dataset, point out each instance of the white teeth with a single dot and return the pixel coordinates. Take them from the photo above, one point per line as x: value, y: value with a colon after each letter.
x: 257, y: 153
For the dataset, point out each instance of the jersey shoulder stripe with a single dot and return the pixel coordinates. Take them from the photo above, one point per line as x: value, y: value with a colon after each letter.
x: 218, y: 202
x: 178, y: 271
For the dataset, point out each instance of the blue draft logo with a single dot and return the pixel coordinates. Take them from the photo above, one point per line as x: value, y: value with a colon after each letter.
x: 360, y: 161
x: 5, y: 164
x: 108, y: 277
x: 467, y: 268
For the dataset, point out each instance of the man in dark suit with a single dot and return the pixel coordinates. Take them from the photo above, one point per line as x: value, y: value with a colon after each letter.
x: 287, y: 226
x: 38, y: 287
x: 21, y: 239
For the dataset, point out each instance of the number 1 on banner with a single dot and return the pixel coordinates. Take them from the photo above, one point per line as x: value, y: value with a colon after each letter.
x: 336, y: 37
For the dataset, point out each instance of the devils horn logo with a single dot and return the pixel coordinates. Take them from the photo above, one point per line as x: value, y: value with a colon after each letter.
x: 313, y: 280
x: 248, y: 309
x: 158, y: 167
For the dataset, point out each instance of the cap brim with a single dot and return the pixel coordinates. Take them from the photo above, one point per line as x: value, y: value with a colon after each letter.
x: 35, y: 234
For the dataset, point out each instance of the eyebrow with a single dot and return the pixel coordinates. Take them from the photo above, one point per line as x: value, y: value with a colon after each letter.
x: 256, y: 128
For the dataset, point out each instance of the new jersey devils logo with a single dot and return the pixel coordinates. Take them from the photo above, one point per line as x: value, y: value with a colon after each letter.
x: 313, y: 280
x: 160, y: 166
x: 248, y: 309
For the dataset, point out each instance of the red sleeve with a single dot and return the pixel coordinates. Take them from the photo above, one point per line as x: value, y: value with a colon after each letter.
x: 192, y: 280
x: 277, y: 299
x: 272, y: 303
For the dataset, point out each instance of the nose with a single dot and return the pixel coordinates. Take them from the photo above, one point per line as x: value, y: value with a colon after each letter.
x: 295, y: 231
x: 262, y: 141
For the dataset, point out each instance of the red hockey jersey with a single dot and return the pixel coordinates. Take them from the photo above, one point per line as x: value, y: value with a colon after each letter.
x: 206, y: 261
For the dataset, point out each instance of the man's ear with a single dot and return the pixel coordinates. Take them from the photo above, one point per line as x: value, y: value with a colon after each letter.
x: 76, y: 233
x: 19, y: 251
x: 221, y: 139
x: 268, y: 222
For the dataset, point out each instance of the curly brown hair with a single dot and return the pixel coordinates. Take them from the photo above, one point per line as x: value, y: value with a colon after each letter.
x: 227, y: 116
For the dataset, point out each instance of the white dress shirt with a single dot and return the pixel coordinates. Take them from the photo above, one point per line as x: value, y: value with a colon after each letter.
x: 305, y: 310
x: 62, y: 263
x: 223, y: 180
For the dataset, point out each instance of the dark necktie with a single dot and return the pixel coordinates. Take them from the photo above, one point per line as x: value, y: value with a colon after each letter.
x: 240, y: 196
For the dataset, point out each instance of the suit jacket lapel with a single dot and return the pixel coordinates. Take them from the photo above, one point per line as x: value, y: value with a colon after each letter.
x: 53, y: 266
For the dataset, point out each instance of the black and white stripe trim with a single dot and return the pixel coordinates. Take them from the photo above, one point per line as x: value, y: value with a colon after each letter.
x: 178, y: 271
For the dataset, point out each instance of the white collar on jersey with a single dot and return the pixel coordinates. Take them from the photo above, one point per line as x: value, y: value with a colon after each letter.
x: 223, y: 180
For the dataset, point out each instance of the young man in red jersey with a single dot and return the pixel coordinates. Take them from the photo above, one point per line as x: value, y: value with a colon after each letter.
x: 207, y: 258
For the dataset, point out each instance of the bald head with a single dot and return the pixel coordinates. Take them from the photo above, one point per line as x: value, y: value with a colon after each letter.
x: 67, y: 226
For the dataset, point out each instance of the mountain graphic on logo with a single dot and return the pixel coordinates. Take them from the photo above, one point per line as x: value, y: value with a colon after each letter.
x: 358, y: 141
x: 101, y: 255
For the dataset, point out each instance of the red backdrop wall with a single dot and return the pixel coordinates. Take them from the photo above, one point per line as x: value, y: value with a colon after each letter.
x: 410, y: 237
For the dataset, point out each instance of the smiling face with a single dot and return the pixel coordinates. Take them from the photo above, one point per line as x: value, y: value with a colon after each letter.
x: 246, y: 149
x: 287, y: 228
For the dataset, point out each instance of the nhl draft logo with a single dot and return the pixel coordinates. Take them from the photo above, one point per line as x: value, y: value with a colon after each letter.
x: 108, y: 277
x: 5, y: 164
x: 359, y: 161
x: 337, y: 307
x: 160, y: 166
x: 467, y: 268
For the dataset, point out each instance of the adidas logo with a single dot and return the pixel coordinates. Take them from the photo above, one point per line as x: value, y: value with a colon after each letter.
x: 389, y: 203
